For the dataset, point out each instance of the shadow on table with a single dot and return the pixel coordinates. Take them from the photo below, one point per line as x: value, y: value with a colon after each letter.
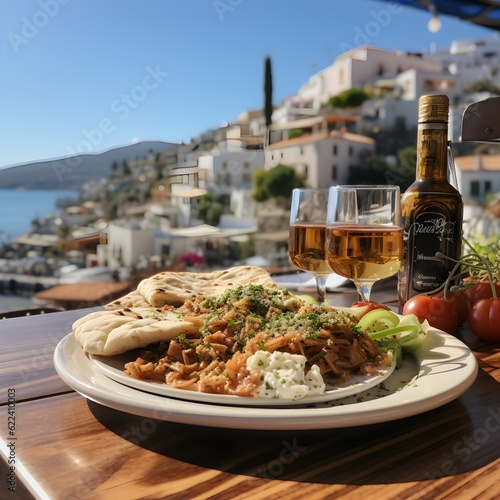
x: 459, y: 437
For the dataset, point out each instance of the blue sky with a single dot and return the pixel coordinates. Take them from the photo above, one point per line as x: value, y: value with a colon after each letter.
x: 90, y: 75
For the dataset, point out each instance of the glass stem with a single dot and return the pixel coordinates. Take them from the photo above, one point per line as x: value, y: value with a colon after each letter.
x: 321, y: 288
x: 364, y: 291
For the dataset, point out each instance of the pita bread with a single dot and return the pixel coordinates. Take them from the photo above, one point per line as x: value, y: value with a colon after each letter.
x: 174, y: 288
x: 113, y: 332
x: 133, y: 299
x: 137, y: 319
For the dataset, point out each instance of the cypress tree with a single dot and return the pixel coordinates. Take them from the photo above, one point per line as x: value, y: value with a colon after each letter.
x: 268, y: 92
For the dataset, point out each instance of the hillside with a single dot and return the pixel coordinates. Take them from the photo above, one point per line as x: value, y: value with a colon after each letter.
x: 73, y: 171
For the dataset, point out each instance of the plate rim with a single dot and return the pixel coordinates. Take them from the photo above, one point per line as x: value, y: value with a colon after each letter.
x: 91, y: 385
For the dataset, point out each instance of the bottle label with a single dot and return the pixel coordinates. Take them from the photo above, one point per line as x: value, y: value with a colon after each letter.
x: 430, y: 233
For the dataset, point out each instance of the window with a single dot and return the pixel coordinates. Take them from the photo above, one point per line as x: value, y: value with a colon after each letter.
x: 301, y: 150
x: 351, y: 150
x: 335, y: 150
x: 306, y: 168
x: 334, y: 172
x: 272, y: 157
x: 281, y: 155
x: 487, y: 187
x: 475, y: 190
x: 247, y: 178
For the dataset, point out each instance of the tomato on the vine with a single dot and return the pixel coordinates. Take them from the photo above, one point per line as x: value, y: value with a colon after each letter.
x: 460, y: 302
x: 481, y: 291
x: 484, y: 319
x: 437, y: 311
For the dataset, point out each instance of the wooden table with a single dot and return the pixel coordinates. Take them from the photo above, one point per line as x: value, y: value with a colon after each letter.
x: 63, y: 446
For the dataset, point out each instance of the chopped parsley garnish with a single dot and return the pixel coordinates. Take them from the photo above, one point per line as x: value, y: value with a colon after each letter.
x: 253, y: 313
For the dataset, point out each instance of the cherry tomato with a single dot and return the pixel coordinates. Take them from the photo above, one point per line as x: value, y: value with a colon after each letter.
x: 369, y: 306
x: 480, y: 291
x: 438, y: 312
x: 484, y: 319
x: 460, y: 301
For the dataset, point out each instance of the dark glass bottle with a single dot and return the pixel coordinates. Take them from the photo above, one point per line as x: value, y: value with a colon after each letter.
x: 431, y: 208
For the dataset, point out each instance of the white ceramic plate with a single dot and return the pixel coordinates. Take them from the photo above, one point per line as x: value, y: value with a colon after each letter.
x: 113, y: 368
x: 293, y: 281
x: 441, y: 371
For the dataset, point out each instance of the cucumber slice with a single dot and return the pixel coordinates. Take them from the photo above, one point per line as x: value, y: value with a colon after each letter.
x: 378, y: 320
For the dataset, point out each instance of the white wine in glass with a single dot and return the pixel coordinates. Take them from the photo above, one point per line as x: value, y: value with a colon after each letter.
x: 306, y: 245
x: 364, y: 239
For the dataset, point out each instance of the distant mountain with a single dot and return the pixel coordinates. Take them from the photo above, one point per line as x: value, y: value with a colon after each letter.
x: 73, y: 171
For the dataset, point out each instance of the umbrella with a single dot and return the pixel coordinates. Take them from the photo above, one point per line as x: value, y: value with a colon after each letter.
x: 482, y: 12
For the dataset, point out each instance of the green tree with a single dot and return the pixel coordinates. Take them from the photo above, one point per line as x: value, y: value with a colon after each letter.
x: 375, y: 169
x: 159, y: 165
x: 350, y: 98
x: 484, y: 85
x: 209, y: 210
x: 295, y: 133
x: 268, y: 99
x: 64, y: 231
x: 370, y: 169
x: 278, y: 182
x: 268, y: 92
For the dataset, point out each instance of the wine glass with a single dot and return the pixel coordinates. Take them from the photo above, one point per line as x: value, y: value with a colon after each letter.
x: 364, y: 239
x: 306, y: 246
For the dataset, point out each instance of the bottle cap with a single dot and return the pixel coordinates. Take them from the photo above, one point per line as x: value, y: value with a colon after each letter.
x: 433, y: 108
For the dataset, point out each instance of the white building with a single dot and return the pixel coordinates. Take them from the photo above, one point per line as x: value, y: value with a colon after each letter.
x: 478, y: 176
x: 398, y: 80
x: 169, y: 226
x: 230, y: 168
x: 389, y: 113
x: 251, y: 123
x: 356, y: 68
x: 128, y: 244
x: 471, y: 60
x: 322, y: 158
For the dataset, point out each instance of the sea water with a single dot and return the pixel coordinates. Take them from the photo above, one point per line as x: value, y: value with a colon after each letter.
x: 18, y: 208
